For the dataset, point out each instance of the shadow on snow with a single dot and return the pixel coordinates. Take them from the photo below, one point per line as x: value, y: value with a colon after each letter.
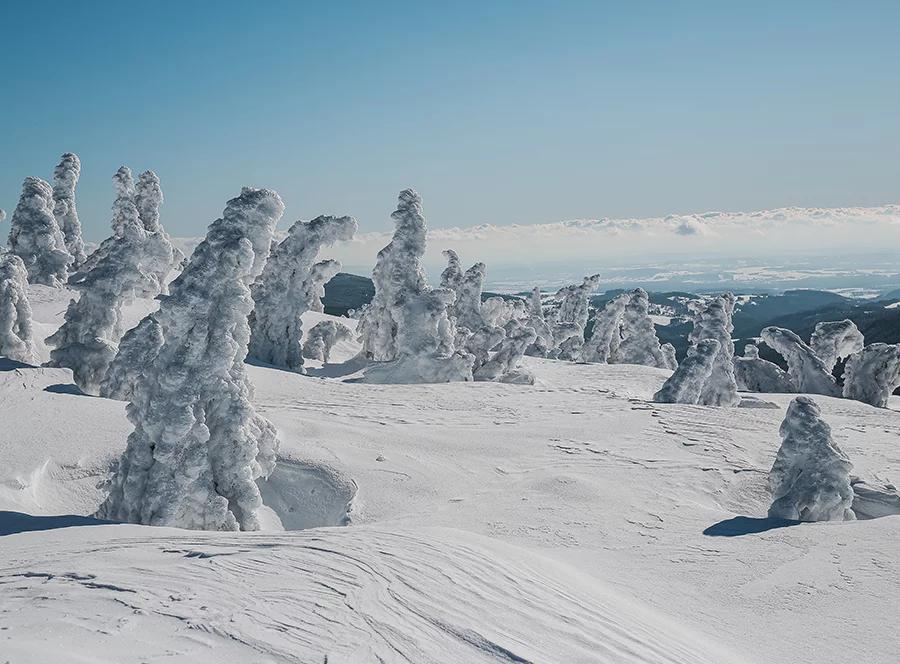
x: 12, y: 523
x: 745, y: 525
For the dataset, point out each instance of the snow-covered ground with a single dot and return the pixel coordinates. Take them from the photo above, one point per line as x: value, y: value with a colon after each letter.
x: 569, y: 521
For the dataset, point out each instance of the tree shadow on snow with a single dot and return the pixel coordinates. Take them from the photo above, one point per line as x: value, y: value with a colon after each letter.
x: 12, y: 523
x: 67, y: 388
x: 7, y: 364
x: 745, y: 525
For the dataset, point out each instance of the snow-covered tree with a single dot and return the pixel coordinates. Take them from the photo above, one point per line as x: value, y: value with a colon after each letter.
x: 833, y: 341
x: 467, y: 306
x: 503, y: 366
x: 712, y: 320
x: 534, y: 319
x: 137, y: 349
x: 603, y: 346
x: 453, y: 273
x: 639, y: 344
x: 65, y: 177
x: 686, y: 385
x: 480, y: 343
x: 498, y: 311
x: 16, y: 334
x: 872, y: 374
x: 322, y: 337
x: 291, y: 284
x: 34, y: 236
x: 198, y: 445
x: 810, y: 479
x: 568, y: 338
x: 574, y: 301
x: 2, y: 215
x: 808, y: 372
x: 161, y: 255
x: 754, y: 374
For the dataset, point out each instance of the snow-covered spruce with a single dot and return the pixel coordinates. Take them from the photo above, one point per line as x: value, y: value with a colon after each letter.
x: 453, y: 273
x: 810, y: 479
x: 16, y: 334
x: 35, y: 237
x: 291, y: 284
x: 872, y: 374
x: 161, y: 255
x: 467, y: 306
x: 498, y: 311
x: 833, y: 341
x: 754, y: 374
x: 606, y: 335
x: 639, y: 344
x: 568, y: 338
x: 808, y: 372
x: 198, y: 445
x: 322, y: 337
x: 65, y: 177
x: 712, y: 320
x: 480, y: 343
x: 534, y: 319
x: 503, y: 366
x: 137, y: 349
x: 574, y: 301
x: 692, y: 375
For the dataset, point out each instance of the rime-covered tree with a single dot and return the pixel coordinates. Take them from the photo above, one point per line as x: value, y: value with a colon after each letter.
x: 543, y: 342
x: 322, y: 337
x: 872, y: 374
x: 810, y: 479
x: 687, y: 383
x: 290, y: 285
x: 137, y: 349
x: 807, y: 371
x: 453, y: 273
x: 503, y: 366
x: 574, y: 301
x: 467, y: 306
x: 754, y: 374
x: 568, y: 339
x: 603, y: 346
x: 198, y: 445
x: 639, y: 344
x: 35, y: 237
x: 16, y: 334
x: 712, y: 320
x: 161, y: 255
x: 65, y: 177
x: 833, y: 341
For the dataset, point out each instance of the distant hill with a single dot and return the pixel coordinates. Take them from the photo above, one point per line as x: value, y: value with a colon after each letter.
x: 761, y: 310
x: 345, y: 292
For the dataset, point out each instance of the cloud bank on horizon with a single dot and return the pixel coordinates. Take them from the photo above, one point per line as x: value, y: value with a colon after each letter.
x: 787, y: 231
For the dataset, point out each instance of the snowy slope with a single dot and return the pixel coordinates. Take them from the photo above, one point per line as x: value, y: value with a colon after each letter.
x: 560, y: 522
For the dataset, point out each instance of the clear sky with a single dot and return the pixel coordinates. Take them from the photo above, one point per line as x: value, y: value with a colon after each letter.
x: 497, y: 112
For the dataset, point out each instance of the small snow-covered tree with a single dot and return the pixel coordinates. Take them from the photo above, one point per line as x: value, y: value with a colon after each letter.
x: 639, y: 344
x: 872, y: 374
x: 833, y: 341
x: 453, y: 273
x: 291, y: 284
x: 161, y: 255
x: 807, y: 371
x: 603, y: 346
x: 712, y: 320
x: 574, y: 301
x: 65, y: 177
x: 34, y: 235
x: 503, y: 366
x: 198, y: 445
x: 568, y: 338
x: 322, y: 337
x: 687, y: 383
x: 754, y: 374
x: 467, y: 306
x: 136, y: 351
x: 810, y: 479
x: 16, y: 334
x: 534, y: 319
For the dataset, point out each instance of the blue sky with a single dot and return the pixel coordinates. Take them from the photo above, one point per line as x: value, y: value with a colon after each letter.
x: 497, y: 112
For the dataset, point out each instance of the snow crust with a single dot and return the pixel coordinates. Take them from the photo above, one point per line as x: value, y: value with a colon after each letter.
x: 35, y: 237
x: 808, y: 372
x: 872, y: 374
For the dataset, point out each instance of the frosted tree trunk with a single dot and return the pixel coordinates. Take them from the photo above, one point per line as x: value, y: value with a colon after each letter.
x: 65, y: 177
x: 16, y: 334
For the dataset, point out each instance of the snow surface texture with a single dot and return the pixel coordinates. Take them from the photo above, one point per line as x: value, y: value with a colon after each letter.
x: 810, y: 479
x: 34, y: 235
x: 603, y: 346
x: 323, y: 337
x: 406, y: 329
x: 754, y: 374
x: 16, y: 334
x: 574, y: 301
x: 198, y: 445
x: 712, y: 320
x: 808, y: 372
x: 291, y: 284
x: 639, y: 344
x: 692, y: 376
x: 65, y: 177
x: 872, y: 374
x: 835, y: 341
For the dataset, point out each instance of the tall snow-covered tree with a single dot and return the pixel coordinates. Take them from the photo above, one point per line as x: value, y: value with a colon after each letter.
x: 872, y: 374
x: 603, y: 346
x: 543, y: 342
x: 574, y: 301
x: 161, y: 255
x: 712, y: 320
x: 453, y: 273
x: 810, y: 479
x: 807, y: 371
x: 198, y: 445
x: 837, y: 340
x: 290, y: 285
x: 687, y: 383
x: 35, y: 237
x: 65, y: 177
x: 639, y: 344
x: 16, y: 333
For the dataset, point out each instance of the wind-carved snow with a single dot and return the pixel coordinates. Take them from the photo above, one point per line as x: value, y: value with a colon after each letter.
x: 35, y: 237
x: 639, y: 344
x: 686, y: 385
x: 198, y: 444
x: 603, y: 346
x: 872, y: 374
x: 833, y: 341
x: 65, y: 178
x: 808, y: 372
x: 16, y: 331
x: 291, y: 284
x: 754, y: 374
x: 406, y: 328
x: 713, y: 320
x: 322, y: 337
x: 810, y: 479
